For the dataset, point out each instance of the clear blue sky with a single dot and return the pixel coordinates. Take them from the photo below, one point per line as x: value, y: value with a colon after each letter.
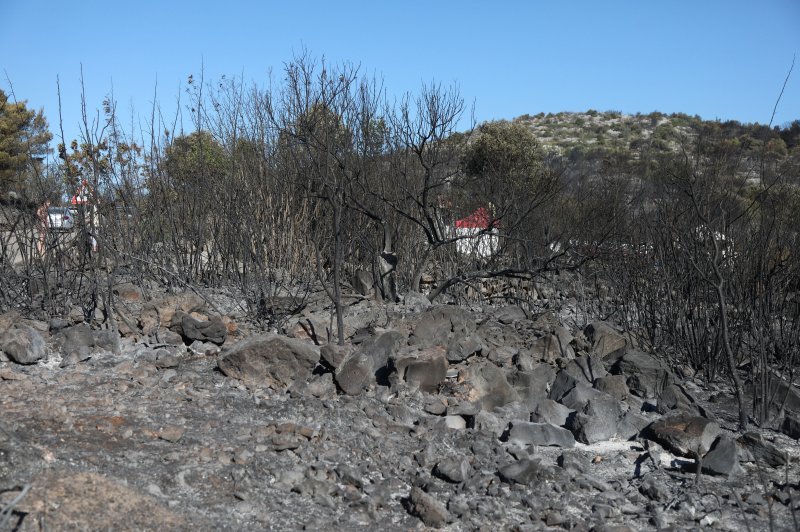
x: 723, y: 59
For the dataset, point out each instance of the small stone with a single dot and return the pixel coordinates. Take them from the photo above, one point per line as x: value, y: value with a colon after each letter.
x: 654, y: 489
x: 436, y: 406
x: 455, y: 422
x: 171, y: 433
x: 453, y: 469
x: 573, y: 463
x: 432, y: 512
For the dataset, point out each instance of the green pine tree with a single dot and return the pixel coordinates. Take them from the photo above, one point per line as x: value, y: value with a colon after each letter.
x: 24, y: 139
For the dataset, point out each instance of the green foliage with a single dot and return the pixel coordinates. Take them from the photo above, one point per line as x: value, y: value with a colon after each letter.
x: 503, y: 149
x: 24, y: 139
x: 195, y: 159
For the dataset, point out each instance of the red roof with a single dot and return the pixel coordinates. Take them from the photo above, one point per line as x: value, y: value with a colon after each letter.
x: 480, y: 219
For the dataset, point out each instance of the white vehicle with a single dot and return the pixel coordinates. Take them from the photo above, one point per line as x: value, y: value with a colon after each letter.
x: 60, y: 219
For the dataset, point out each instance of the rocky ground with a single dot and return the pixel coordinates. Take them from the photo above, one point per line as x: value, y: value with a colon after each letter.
x: 188, y: 417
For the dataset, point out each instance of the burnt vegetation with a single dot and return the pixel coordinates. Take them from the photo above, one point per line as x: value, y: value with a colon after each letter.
x: 682, y: 231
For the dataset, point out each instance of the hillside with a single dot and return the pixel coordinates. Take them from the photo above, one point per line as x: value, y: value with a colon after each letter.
x: 594, y: 133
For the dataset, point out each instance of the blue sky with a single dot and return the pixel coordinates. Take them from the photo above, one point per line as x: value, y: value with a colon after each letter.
x: 718, y: 59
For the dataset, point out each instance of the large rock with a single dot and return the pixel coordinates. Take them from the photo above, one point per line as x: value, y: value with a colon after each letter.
x: 676, y: 397
x: 757, y: 449
x: 723, y: 458
x: 631, y: 424
x: 613, y: 385
x: 160, y: 312
x: 23, y: 344
x: 529, y: 471
x: 586, y: 368
x: 489, y: 386
x: 363, y: 283
x: 562, y: 385
x: 645, y: 375
x: 532, y: 385
x: 782, y: 393
x: 356, y: 373
x: 367, y: 365
x: 509, y: 314
x: 546, y: 349
x: 462, y: 346
x: 212, y: 330
x: 439, y: 325
x: 684, y: 434
x: 526, y: 433
x: 549, y: 411
x: 597, y: 421
x: 603, y: 338
x: 791, y: 426
x: 77, y: 340
x: 270, y: 359
x: 422, y: 369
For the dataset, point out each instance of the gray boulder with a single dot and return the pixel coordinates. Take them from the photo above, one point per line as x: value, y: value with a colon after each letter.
x: 363, y: 283
x: 453, y: 469
x: 645, y: 375
x: 160, y: 312
x: 756, y: 449
x: 431, y: 511
x: 529, y: 471
x: 23, y: 344
x: 270, y: 359
x: 603, y: 338
x: 212, y: 330
x: 631, y: 424
x: 587, y: 368
x: 526, y: 433
x: 76, y: 341
x: 438, y: 325
x: 546, y: 349
x: 597, y: 421
x: 684, y: 434
x: 613, y: 385
x: 791, y: 426
x: 549, y: 411
x: 509, y: 314
x: 356, y: 373
x: 416, y: 302
x: 723, y: 458
x: 422, y: 369
x: 489, y: 385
